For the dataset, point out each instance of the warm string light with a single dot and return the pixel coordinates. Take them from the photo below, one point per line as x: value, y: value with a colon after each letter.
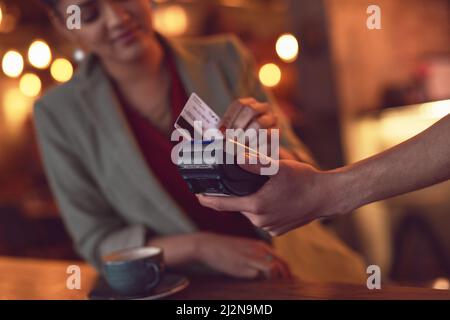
x: 30, y: 85
x: 39, y: 54
x: 441, y: 284
x: 61, y: 70
x: 12, y: 64
x: 171, y: 20
x: 17, y: 101
x: 16, y: 108
x: 40, y: 57
x: 270, y: 75
x: 287, y: 47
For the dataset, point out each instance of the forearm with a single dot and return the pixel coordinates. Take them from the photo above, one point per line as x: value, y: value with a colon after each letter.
x: 422, y: 161
x: 178, y: 250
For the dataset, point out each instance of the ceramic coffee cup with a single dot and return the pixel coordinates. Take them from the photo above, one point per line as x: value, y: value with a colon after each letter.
x: 134, y: 272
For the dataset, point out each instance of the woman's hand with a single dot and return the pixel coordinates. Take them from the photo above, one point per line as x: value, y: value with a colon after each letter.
x: 250, y: 116
x: 234, y: 256
x: 248, y: 113
x: 240, y: 257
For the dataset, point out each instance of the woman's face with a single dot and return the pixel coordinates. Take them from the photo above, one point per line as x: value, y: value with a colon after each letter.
x: 115, y: 30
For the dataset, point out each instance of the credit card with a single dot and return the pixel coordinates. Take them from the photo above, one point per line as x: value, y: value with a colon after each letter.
x: 195, y: 110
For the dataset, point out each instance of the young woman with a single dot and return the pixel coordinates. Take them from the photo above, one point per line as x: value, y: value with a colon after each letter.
x: 105, y: 140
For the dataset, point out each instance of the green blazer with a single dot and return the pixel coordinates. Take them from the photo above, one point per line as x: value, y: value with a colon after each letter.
x: 107, y: 196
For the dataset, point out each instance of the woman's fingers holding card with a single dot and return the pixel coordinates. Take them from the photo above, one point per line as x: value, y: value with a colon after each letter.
x: 244, y: 112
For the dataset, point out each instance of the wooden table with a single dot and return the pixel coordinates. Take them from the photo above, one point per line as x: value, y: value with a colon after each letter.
x: 46, y: 279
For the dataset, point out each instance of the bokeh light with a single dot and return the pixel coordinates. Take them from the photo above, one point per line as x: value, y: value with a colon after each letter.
x: 171, y: 20
x: 270, y: 75
x: 441, y: 284
x: 39, y: 54
x: 12, y: 64
x: 287, y: 47
x: 30, y: 85
x: 61, y: 70
x: 16, y: 108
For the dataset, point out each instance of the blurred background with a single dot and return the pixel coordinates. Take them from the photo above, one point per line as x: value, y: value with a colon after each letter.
x: 349, y: 92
